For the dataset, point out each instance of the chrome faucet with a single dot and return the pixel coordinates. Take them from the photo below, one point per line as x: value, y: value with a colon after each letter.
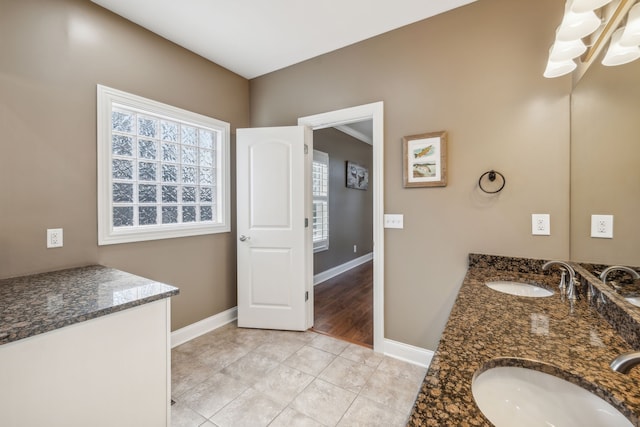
x: 625, y: 362
x: 571, y: 285
x: 606, y: 271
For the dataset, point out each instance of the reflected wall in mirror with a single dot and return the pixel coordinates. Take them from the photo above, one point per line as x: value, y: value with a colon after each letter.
x: 605, y: 163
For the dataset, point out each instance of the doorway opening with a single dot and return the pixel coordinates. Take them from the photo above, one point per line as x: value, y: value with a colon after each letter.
x: 343, y: 306
x: 372, y: 113
x: 343, y: 232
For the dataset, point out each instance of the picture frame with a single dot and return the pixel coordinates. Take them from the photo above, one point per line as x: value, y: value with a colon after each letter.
x: 357, y: 176
x: 424, y: 159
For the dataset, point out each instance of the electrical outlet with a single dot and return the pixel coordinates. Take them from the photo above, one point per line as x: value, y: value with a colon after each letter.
x: 355, y: 248
x: 54, y: 238
x: 393, y: 221
x: 602, y: 226
x: 541, y: 224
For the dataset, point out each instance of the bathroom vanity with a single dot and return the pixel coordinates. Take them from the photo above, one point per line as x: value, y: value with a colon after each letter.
x: 87, y: 346
x: 575, y: 341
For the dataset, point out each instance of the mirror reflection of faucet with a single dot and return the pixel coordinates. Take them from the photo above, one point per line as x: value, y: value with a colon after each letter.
x: 605, y: 273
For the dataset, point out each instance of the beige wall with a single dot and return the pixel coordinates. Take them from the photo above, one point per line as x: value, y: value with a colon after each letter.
x: 350, y: 211
x: 477, y: 73
x: 605, y: 163
x: 53, y: 53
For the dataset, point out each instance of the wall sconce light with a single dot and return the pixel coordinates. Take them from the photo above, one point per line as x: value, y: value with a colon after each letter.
x: 559, y: 68
x: 617, y: 54
x: 631, y: 34
x: 580, y: 20
x: 575, y: 26
x: 563, y: 50
x: 579, y: 6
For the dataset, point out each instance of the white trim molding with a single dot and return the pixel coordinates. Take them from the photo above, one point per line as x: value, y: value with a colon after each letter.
x: 375, y: 113
x: 408, y: 353
x: 405, y: 352
x: 194, y: 330
x: 339, y: 269
x: 355, y: 134
x: 112, y: 101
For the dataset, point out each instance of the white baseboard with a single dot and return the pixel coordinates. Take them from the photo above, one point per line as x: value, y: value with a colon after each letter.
x: 194, y: 330
x: 397, y: 350
x: 408, y: 353
x: 333, y: 272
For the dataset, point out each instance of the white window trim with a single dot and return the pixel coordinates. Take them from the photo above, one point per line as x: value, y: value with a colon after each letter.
x: 107, y: 235
x: 322, y: 245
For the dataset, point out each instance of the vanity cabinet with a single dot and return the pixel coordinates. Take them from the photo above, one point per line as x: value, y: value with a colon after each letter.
x: 109, y: 370
x: 487, y: 328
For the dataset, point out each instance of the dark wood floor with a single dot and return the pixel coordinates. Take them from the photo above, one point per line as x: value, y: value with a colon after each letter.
x: 343, y: 306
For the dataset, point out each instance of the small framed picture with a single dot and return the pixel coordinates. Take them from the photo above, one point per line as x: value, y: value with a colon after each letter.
x: 424, y: 160
x: 357, y: 176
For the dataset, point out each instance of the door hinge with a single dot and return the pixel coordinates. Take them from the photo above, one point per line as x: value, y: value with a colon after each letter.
x: 306, y: 149
x: 306, y: 296
x: 306, y: 223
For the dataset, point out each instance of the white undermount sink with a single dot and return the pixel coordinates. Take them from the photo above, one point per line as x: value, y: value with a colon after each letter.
x: 519, y: 289
x: 513, y: 396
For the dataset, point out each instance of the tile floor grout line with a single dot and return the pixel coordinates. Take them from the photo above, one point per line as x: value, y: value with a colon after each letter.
x: 251, y: 345
x: 288, y: 405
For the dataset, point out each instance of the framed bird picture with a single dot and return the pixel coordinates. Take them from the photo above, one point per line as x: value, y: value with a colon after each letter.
x: 424, y: 160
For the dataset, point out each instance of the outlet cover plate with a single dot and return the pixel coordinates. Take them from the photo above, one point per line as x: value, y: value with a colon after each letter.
x: 541, y: 224
x: 602, y: 226
x: 54, y: 238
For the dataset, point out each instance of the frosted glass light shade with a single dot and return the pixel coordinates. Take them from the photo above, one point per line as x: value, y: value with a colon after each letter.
x: 617, y: 54
x: 575, y: 26
x: 561, y: 50
x: 559, y: 68
x: 631, y: 34
x: 580, y: 6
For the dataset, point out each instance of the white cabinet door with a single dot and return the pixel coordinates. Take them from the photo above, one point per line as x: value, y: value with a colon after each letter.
x: 110, y: 371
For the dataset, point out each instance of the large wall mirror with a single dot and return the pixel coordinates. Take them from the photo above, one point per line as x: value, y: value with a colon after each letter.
x: 605, y: 163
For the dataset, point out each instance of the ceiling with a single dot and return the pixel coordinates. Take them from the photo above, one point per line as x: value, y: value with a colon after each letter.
x: 256, y: 37
x: 362, y: 130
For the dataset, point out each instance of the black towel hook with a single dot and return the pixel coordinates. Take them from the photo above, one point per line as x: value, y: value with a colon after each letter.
x: 491, y: 176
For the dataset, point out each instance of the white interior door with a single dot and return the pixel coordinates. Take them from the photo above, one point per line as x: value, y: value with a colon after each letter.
x: 274, y: 236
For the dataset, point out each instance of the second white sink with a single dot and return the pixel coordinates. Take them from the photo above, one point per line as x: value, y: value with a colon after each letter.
x: 519, y: 289
x: 513, y: 396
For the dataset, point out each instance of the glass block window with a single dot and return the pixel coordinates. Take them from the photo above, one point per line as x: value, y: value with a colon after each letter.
x: 162, y: 171
x: 320, y: 189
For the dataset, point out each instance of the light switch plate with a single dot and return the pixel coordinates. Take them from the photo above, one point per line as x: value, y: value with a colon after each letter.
x: 393, y: 221
x: 602, y: 226
x: 541, y: 224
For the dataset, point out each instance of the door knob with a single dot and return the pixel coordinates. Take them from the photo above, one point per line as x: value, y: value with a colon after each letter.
x: 244, y: 238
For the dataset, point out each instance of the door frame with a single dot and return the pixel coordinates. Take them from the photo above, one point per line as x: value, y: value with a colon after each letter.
x: 374, y: 112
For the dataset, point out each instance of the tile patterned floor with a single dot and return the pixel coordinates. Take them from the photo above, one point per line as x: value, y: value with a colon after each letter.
x: 246, y: 377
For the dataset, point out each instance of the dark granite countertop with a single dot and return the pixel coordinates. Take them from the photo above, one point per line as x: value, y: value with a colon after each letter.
x: 487, y: 328
x: 34, y: 304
